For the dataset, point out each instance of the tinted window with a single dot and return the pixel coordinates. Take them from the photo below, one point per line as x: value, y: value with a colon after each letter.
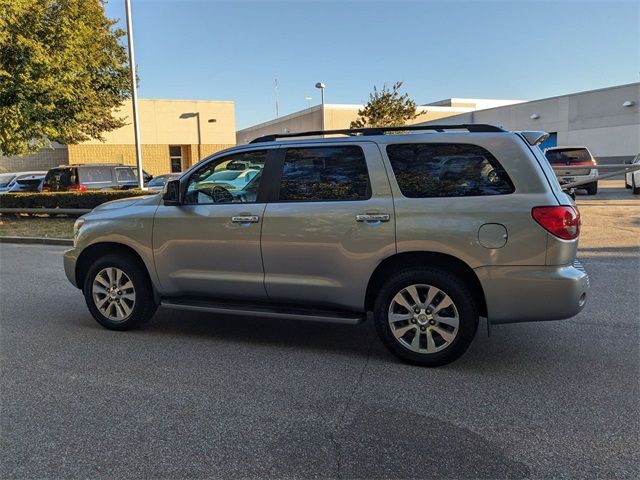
x: 568, y: 155
x: 447, y: 170
x: 27, y: 185
x: 125, y: 175
x: 59, y: 179
x: 325, y: 173
x: 6, y: 178
x: 220, y: 181
x: 95, y: 175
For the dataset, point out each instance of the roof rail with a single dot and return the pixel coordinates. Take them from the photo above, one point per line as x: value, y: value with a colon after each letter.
x: 480, y: 127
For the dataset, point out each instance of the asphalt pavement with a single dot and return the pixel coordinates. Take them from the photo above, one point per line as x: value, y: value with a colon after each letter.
x: 195, y: 395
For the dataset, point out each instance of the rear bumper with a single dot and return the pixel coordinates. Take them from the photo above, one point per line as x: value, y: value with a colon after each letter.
x: 569, y: 178
x: 530, y: 294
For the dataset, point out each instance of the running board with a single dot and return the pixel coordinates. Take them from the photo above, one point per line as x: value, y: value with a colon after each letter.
x: 265, y: 311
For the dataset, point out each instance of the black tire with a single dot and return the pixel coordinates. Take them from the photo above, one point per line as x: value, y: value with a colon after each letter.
x: 463, y: 301
x: 634, y: 188
x: 592, y: 188
x: 144, y: 306
x: 626, y: 185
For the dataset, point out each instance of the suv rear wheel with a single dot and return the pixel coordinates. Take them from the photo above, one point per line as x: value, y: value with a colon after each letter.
x: 592, y: 188
x: 426, y: 316
x: 118, y: 292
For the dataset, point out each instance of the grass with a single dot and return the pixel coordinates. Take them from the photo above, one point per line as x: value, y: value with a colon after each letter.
x: 30, y: 226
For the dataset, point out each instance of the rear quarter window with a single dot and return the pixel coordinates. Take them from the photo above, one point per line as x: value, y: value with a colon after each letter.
x: 126, y: 174
x: 428, y: 170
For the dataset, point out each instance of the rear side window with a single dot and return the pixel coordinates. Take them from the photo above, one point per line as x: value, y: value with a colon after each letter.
x: 60, y: 179
x: 426, y: 170
x: 95, y: 175
x: 325, y: 174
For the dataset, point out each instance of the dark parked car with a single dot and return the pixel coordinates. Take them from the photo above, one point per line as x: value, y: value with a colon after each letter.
x: 81, y: 178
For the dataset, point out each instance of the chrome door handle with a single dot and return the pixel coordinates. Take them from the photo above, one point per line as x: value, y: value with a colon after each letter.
x: 372, y: 217
x: 245, y: 219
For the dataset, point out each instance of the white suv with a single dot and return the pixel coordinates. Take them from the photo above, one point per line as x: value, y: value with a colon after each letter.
x: 632, y: 179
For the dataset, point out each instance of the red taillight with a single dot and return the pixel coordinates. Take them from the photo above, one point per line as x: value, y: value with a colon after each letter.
x: 563, y: 221
x: 77, y: 188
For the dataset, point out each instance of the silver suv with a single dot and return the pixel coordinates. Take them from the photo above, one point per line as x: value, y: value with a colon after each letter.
x: 428, y: 231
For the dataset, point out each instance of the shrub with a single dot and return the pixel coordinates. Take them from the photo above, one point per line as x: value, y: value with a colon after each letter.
x: 81, y: 200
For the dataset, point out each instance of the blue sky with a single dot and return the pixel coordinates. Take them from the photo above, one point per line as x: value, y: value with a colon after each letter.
x: 233, y: 50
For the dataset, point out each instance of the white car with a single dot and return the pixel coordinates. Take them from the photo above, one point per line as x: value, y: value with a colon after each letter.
x: 632, y: 179
x: 578, y: 165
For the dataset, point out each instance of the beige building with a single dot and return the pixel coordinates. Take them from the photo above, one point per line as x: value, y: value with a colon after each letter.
x: 174, y: 134
x: 339, y: 116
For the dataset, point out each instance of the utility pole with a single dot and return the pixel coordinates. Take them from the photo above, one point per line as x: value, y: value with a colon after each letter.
x: 277, y: 100
x: 134, y: 94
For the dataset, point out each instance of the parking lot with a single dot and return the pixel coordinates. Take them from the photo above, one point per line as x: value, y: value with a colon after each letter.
x: 198, y: 395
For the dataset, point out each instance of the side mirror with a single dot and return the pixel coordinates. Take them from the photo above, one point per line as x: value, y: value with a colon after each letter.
x: 171, y: 193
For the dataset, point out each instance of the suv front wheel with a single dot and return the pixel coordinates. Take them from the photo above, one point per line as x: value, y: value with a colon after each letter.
x: 426, y: 316
x: 118, y: 292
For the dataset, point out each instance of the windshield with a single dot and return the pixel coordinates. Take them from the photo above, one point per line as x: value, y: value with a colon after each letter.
x: 569, y: 155
x: 223, y: 176
x: 158, y: 181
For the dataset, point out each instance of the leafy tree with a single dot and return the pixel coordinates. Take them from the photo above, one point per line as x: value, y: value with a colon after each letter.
x: 386, y: 108
x: 62, y: 72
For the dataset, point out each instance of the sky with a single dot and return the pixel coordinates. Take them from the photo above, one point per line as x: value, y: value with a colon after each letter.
x: 234, y: 50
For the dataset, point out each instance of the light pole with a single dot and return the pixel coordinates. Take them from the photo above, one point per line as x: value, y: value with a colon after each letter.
x: 134, y: 94
x: 321, y: 86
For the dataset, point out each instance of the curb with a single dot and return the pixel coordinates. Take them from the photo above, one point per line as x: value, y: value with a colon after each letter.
x: 37, y: 240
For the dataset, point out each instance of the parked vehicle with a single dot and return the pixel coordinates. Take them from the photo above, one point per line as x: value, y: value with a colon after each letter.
x: 29, y: 183
x: 158, y: 182
x: 429, y: 231
x: 230, y: 179
x: 79, y: 178
x: 632, y: 179
x: 8, y: 180
x: 579, y: 163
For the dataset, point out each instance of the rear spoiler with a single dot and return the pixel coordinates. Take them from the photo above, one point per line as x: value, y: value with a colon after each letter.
x: 534, y: 137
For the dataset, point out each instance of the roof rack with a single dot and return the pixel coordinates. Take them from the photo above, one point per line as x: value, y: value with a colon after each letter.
x: 475, y: 128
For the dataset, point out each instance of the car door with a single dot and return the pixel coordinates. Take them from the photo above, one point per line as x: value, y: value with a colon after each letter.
x: 328, y: 225
x: 210, y: 245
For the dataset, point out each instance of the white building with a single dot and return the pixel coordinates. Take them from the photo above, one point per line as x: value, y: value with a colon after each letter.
x: 607, y: 120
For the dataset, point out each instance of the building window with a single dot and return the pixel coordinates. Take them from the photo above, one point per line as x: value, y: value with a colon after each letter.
x: 175, y: 158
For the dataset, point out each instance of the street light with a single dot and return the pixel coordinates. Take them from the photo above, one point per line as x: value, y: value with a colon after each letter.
x: 321, y: 86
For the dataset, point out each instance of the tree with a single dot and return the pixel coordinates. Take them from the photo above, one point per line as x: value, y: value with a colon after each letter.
x: 62, y: 73
x: 386, y: 108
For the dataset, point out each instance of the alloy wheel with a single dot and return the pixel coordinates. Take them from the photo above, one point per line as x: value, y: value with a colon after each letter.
x: 423, y: 318
x: 113, y: 294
